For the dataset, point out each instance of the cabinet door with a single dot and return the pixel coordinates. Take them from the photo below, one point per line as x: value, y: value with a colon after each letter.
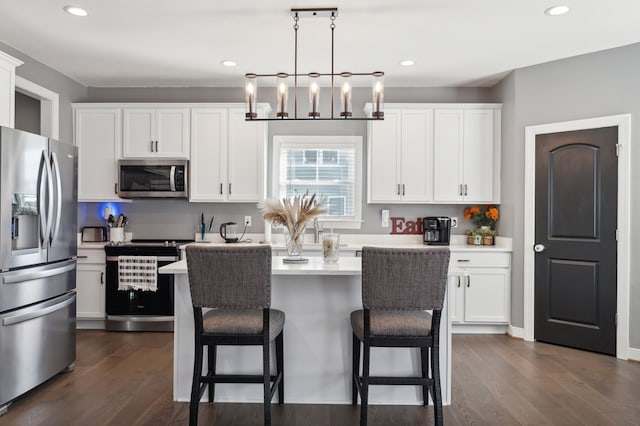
x: 172, y: 133
x: 139, y: 133
x: 98, y: 138
x: 90, y: 291
x: 478, y: 156
x: 416, y: 163
x: 384, y: 158
x: 447, y: 157
x: 456, y: 297
x: 487, y: 295
x: 208, y: 154
x: 247, y: 160
x: 7, y: 89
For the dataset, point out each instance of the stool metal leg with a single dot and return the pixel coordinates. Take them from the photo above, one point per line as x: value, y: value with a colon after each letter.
x: 437, y: 395
x: 280, y: 365
x: 364, y: 394
x: 424, y: 361
x: 211, y: 359
x: 266, y: 368
x: 197, y: 369
x: 355, y: 369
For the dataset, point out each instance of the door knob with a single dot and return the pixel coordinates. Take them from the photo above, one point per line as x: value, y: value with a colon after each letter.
x: 539, y: 248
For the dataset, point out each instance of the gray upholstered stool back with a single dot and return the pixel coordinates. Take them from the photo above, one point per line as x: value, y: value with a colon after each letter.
x: 230, y: 276
x: 394, y: 278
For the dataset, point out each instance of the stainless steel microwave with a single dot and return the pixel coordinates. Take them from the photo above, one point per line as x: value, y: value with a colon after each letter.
x: 152, y: 178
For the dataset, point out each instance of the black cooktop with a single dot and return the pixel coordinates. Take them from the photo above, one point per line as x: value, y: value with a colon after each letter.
x: 142, y: 247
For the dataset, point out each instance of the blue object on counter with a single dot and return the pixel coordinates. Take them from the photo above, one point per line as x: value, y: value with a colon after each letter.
x: 202, y: 227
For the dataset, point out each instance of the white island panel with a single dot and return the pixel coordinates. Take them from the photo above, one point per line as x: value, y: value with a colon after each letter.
x: 317, y: 299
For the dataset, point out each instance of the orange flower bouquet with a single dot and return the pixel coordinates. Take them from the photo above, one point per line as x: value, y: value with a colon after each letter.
x: 488, y: 217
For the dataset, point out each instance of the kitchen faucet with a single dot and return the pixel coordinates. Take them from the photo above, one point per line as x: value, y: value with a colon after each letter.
x: 317, y: 230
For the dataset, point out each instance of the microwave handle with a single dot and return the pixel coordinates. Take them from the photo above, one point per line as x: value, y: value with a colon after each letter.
x: 172, y: 179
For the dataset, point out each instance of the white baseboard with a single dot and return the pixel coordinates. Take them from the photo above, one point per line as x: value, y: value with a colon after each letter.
x: 634, y: 354
x: 90, y: 324
x: 517, y: 332
x: 478, y: 328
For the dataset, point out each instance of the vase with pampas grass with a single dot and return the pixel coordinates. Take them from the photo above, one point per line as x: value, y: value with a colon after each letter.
x: 293, y: 213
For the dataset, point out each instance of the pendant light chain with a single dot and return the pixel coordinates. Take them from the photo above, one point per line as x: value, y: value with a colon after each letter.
x: 295, y: 66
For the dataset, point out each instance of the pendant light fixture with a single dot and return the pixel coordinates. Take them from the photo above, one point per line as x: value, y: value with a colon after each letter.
x: 344, y: 79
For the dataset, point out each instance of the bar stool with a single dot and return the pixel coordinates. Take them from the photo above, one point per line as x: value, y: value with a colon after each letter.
x: 236, y: 282
x: 398, y: 285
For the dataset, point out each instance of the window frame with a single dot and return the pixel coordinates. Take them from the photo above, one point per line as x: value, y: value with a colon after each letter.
x: 325, y: 143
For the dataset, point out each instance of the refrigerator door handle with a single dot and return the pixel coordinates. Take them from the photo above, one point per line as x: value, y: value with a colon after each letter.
x: 58, y: 193
x: 45, y: 211
x: 18, y: 277
x: 39, y: 310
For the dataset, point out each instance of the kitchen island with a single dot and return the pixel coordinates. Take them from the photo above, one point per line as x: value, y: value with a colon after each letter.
x: 317, y: 299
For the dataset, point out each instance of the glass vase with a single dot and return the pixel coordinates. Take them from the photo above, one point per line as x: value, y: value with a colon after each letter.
x: 294, y: 241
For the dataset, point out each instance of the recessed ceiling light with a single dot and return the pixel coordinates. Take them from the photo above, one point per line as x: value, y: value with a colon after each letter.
x: 407, y: 63
x: 556, y: 10
x: 228, y: 63
x: 75, y: 10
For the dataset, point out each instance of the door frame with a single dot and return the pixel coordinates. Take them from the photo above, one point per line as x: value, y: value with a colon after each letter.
x: 49, y: 106
x: 623, y: 122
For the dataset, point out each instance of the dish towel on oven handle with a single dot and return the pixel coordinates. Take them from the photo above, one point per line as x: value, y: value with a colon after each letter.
x: 138, y: 273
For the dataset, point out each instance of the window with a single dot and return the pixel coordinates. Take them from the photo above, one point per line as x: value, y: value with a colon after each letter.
x: 330, y: 166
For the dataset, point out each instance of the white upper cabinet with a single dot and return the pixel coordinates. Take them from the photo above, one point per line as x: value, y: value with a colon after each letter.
x: 156, y: 132
x: 8, y: 66
x: 400, y: 156
x: 97, y: 134
x: 466, y: 156
x: 228, y: 155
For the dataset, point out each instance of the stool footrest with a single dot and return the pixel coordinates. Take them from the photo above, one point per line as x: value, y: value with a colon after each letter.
x: 235, y: 378
x: 391, y: 380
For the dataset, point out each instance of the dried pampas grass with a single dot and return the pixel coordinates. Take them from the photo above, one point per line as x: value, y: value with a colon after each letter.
x: 292, y: 213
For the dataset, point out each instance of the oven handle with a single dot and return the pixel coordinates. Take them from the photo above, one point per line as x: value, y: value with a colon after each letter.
x: 159, y: 258
x: 40, y: 310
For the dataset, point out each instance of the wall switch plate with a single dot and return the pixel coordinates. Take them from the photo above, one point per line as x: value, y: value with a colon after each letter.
x: 454, y: 222
x: 247, y: 221
x: 385, y: 218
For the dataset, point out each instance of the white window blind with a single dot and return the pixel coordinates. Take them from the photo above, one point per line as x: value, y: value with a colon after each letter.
x: 328, y: 166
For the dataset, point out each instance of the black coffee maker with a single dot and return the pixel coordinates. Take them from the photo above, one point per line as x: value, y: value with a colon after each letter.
x: 436, y: 230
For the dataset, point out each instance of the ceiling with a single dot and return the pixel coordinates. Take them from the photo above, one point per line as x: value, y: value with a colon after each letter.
x: 150, y: 43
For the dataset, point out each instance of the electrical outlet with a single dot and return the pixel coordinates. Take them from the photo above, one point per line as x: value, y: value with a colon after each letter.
x: 247, y: 221
x: 454, y: 222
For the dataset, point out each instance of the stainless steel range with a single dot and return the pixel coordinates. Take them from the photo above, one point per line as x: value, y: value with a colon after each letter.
x: 137, y: 310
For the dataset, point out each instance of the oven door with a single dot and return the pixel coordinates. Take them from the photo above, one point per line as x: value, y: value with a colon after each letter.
x: 147, y: 305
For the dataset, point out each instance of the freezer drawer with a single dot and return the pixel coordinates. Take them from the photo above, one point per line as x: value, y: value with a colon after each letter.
x: 36, y: 343
x: 31, y: 285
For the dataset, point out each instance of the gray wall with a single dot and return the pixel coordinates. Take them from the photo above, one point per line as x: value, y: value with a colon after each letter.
x: 599, y: 84
x: 177, y: 218
x: 27, y: 115
x: 69, y: 90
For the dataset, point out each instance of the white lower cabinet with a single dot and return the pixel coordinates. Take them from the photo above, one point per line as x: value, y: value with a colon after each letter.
x: 480, y: 290
x: 90, y: 288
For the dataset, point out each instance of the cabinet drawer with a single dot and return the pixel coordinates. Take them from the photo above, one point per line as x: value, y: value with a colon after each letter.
x: 91, y: 256
x: 480, y: 260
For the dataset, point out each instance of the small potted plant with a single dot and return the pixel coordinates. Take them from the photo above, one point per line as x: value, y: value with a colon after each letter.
x: 484, y: 221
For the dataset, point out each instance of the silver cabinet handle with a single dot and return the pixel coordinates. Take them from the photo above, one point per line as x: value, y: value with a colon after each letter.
x: 156, y: 146
x: 220, y: 188
x: 403, y: 189
x: 468, y: 281
x: 539, y: 248
x: 82, y: 257
x: 101, y: 277
x: 398, y: 190
x: 459, y: 281
x: 464, y: 260
x: 465, y: 189
x: 151, y: 146
x: 229, y: 188
x: 460, y: 189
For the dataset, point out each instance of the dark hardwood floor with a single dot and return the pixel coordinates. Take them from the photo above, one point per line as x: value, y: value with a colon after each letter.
x: 125, y: 379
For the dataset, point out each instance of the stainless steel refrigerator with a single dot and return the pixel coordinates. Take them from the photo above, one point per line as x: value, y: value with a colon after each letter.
x: 38, y: 247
